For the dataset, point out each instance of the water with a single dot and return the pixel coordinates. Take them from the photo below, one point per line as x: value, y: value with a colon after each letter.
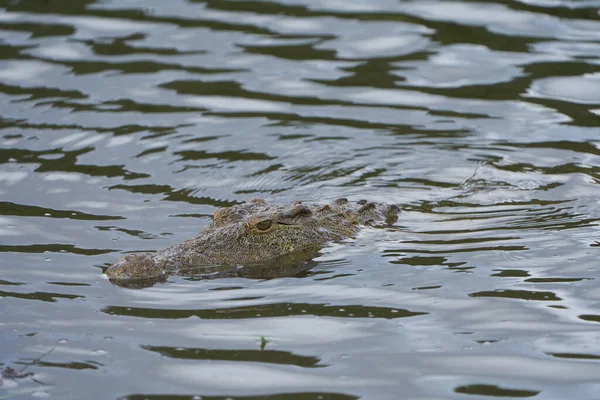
x: 125, y: 124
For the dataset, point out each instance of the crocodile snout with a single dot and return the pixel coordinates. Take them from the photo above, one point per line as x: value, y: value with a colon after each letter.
x: 136, y: 266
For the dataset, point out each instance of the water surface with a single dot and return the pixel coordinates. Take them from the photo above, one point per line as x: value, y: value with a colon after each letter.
x: 124, y: 125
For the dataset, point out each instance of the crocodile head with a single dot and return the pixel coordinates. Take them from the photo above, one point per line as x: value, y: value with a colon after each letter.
x: 256, y: 233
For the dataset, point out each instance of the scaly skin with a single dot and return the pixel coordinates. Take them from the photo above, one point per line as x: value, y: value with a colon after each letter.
x: 256, y: 233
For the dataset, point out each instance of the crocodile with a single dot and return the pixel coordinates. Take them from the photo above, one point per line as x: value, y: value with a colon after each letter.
x: 252, y: 238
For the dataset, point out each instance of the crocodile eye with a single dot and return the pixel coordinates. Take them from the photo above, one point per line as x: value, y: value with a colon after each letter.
x: 264, y: 225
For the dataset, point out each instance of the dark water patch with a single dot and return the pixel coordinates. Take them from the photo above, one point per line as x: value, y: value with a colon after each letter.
x: 512, y: 273
x: 336, y: 276
x: 15, y: 136
x: 579, y: 116
x: 53, y: 248
x: 511, y: 206
x: 12, y: 51
x: 291, y: 52
x: 430, y: 183
x: 319, y: 173
x: 261, y: 356
x: 130, y: 232
x: 121, y: 46
x: 9, y: 283
x: 520, y: 227
x: 228, y: 288
x: 235, y: 90
x: 27, y: 156
x: 116, y: 106
x: 518, y: 294
x: 133, y: 14
x: 38, y: 30
x: 155, y: 150
x: 134, y: 67
x: 246, y: 298
x: 419, y: 260
x: 467, y: 250
x: 315, y: 120
x: 575, y: 356
x: 568, y: 168
x: 376, y: 73
x: 458, y: 268
x: 24, y: 125
x: 195, y: 215
x: 120, y: 130
x: 462, y: 241
x: 561, y: 9
x: 590, y: 317
x: 269, y: 169
x: 495, y: 391
x: 68, y: 8
x: 451, y: 33
x: 328, y: 138
x: 75, y: 365
x: 267, y: 311
x: 145, y: 189
x: 155, y: 131
x: 488, y: 341
x: 452, y: 209
x: 548, y: 219
x: 282, y: 396
x: 571, y: 225
x: 262, y: 7
x: 554, y: 220
x: 41, y: 296
x: 415, y: 261
x: 186, y: 195
x: 69, y: 284
x: 40, y: 92
x: 555, y: 280
x: 295, y: 136
x: 228, y: 156
x: 203, y: 139
x: 68, y: 163
x: 427, y: 287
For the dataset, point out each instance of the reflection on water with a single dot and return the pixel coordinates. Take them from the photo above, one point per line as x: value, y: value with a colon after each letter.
x: 492, y: 390
x: 124, y: 125
x: 265, y: 311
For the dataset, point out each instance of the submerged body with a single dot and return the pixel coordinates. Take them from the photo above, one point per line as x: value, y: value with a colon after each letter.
x: 254, y: 233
